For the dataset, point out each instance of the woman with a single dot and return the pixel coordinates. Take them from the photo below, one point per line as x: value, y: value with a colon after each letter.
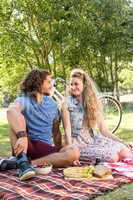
x: 82, y: 114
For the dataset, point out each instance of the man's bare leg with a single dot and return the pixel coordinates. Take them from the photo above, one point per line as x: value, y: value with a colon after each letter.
x: 66, y: 156
x: 61, y: 159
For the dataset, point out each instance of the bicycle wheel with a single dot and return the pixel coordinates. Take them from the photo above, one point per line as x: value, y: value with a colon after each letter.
x: 112, y: 112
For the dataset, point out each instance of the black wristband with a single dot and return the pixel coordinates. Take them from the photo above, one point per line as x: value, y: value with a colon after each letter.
x: 21, y: 134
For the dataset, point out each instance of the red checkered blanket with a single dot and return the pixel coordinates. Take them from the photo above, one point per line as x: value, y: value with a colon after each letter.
x: 53, y: 187
x: 124, y: 168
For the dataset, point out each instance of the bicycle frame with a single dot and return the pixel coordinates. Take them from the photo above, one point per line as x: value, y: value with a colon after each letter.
x: 56, y: 94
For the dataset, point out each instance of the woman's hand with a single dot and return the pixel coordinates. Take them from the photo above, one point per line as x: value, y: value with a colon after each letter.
x: 130, y: 147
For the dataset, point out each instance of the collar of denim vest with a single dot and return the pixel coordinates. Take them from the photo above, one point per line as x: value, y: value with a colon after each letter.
x: 76, y: 102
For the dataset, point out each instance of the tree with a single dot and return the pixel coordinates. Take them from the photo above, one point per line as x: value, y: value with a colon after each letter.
x: 60, y: 35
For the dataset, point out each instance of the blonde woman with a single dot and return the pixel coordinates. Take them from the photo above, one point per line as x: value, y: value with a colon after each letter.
x: 81, y: 114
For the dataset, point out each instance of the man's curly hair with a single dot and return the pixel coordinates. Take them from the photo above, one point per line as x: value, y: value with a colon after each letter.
x: 32, y: 84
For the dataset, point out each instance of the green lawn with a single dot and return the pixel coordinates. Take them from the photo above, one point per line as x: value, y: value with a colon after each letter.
x: 125, y: 132
x: 4, y: 140
x: 126, y: 128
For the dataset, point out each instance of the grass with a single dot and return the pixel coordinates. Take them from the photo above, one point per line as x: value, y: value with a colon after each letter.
x: 125, y: 132
x: 5, y: 148
x: 123, y: 193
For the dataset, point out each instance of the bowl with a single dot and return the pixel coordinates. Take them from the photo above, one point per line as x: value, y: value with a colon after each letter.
x: 43, y: 170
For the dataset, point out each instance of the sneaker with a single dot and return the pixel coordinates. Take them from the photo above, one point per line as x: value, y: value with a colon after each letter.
x: 13, y: 158
x: 8, y: 164
x: 26, y: 171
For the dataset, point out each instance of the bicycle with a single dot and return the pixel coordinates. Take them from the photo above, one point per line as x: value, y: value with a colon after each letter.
x: 112, y: 112
x: 112, y: 109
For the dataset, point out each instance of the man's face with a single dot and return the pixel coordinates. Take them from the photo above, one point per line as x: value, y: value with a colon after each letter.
x: 47, y: 85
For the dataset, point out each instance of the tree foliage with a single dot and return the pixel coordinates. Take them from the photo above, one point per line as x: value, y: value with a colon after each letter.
x: 59, y: 35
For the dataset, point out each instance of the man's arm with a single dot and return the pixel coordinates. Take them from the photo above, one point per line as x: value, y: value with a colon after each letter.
x: 57, y: 134
x: 15, y: 118
x: 17, y: 122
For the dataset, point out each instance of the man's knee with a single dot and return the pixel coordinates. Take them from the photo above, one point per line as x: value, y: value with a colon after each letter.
x: 72, y: 154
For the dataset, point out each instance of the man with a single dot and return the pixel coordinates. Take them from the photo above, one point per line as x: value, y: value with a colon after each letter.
x: 34, y: 119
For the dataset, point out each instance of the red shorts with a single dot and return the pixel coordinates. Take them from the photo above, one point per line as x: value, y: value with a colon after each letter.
x: 38, y: 149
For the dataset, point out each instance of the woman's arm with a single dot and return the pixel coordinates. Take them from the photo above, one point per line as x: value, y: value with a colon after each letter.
x: 105, y: 131
x: 66, y: 123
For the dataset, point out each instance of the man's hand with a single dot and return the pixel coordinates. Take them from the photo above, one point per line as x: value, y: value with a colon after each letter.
x: 76, y: 163
x: 21, y: 146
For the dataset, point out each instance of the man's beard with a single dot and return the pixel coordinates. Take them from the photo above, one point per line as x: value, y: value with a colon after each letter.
x: 46, y: 93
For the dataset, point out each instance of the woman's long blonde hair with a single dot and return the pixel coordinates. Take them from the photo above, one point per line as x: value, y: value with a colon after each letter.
x: 91, y: 104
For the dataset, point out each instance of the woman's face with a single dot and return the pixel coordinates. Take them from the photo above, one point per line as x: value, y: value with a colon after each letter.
x: 76, y: 86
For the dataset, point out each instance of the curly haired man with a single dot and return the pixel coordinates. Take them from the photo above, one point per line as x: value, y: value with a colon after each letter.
x: 34, y: 120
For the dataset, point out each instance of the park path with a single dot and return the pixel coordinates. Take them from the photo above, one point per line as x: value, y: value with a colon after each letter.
x: 127, y: 98
x: 3, y: 115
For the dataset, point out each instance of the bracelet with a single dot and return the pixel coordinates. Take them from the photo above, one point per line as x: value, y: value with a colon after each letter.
x: 21, y: 134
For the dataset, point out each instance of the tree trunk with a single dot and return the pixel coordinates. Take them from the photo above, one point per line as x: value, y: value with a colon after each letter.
x: 116, y: 91
x: 62, y: 62
x: 111, y: 72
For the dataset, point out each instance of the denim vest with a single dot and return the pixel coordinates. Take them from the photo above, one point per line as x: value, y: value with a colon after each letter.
x: 76, y: 115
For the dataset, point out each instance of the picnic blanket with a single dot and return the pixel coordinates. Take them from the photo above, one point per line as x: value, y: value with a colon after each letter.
x: 54, y: 187
x: 124, y: 168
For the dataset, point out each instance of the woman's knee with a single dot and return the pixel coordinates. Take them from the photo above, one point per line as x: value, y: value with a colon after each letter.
x: 115, y: 158
x: 125, y: 152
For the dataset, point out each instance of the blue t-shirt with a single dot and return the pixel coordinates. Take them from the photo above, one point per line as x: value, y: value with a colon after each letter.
x: 39, y: 117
